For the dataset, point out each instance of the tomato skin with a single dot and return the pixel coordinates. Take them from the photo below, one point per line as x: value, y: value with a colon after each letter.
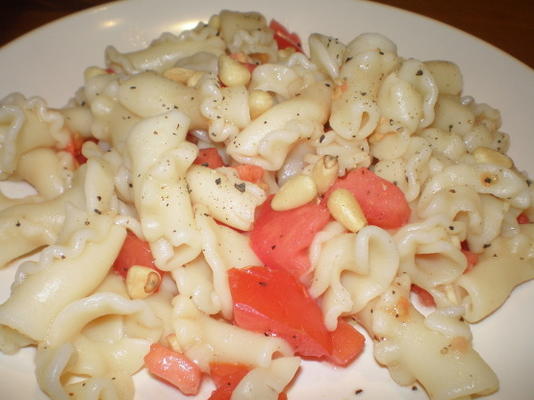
x: 284, y: 38
x: 523, y: 219
x: 250, y: 173
x: 347, y: 344
x: 226, y: 377
x: 472, y: 260
x: 174, y: 368
x: 424, y: 296
x: 209, y: 157
x: 274, y: 302
x: 281, y: 239
x: 75, y: 148
x: 382, y: 203
x: 134, y: 251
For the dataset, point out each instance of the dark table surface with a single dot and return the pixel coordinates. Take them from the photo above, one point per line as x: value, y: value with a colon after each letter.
x: 508, y: 25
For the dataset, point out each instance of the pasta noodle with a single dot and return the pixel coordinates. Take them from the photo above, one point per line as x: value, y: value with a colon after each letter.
x: 152, y: 190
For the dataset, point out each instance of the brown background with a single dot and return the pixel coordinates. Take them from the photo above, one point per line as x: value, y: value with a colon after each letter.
x: 507, y: 24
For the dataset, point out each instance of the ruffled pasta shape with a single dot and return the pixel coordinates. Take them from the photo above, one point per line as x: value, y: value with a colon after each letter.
x: 247, y: 33
x: 429, y: 254
x: 267, y: 382
x: 223, y: 248
x: 436, y: 351
x: 27, y: 124
x: 352, y: 269
x: 29, y: 226
x: 149, y: 94
x: 160, y: 157
x: 164, y: 52
x: 267, y: 140
x: 505, y: 264
x: 205, y: 339
x: 368, y: 58
x: 229, y: 199
x: 226, y: 109
x: 327, y: 53
x: 52, y: 364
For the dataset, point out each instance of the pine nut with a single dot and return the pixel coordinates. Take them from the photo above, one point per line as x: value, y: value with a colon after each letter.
x: 295, y: 192
x: 259, y: 101
x: 185, y: 76
x: 346, y: 210
x: 141, y: 281
x: 490, y: 156
x: 232, y: 73
x: 324, y: 172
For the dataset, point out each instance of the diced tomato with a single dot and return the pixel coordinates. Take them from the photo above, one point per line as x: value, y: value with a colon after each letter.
x: 75, y: 148
x: 249, y: 172
x: 281, y: 238
x: 134, y: 251
x: 382, y: 203
x: 224, y: 374
x: 424, y: 296
x: 284, y: 38
x: 110, y: 71
x: 472, y: 260
x: 174, y: 368
x: 209, y: 158
x: 226, y: 377
x: 523, y: 219
x: 274, y: 302
x: 347, y: 344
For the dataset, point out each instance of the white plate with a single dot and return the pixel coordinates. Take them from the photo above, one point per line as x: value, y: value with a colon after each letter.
x: 49, y: 62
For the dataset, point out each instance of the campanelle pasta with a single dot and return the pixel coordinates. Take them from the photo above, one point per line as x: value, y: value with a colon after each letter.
x: 183, y: 144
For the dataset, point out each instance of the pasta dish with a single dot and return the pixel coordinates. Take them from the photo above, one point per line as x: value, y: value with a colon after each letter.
x: 222, y: 204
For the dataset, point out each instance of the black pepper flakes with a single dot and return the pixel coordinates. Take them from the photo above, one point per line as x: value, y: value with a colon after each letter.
x: 218, y: 181
x: 133, y: 87
x: 419, y: 72
x: 321, y: 138
x: 97, y: 211
x: 240, y: 186
x: 358, y: 391
x: 17, y: 224
x: 262, y: 283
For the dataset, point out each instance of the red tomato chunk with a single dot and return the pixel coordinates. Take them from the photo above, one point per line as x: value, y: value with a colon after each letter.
x: 281, y: 238
x: 284, y: 38
x: 209, y: 158
x: 382, y: 203
x: 134, y: 251
x: 274, y: 302
x: 174, y: 368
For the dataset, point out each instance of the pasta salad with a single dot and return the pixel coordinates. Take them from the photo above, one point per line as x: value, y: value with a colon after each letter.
x: 220, y: 205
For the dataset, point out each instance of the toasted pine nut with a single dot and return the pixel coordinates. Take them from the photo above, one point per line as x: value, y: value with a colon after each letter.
x: 490, y: 156
x: 346, y: 210
x: 189, y: 77
x: 259, y: 101
x: 141, y: 281
x: 262, y: 58
x: 324, y: 172
x: 295, y: 192
x: 232, y: 73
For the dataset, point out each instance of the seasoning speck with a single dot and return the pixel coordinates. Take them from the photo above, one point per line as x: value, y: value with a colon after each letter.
x: 240, y: 186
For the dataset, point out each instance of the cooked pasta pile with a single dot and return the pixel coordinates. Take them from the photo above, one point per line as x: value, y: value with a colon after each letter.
x: 197, y: 197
